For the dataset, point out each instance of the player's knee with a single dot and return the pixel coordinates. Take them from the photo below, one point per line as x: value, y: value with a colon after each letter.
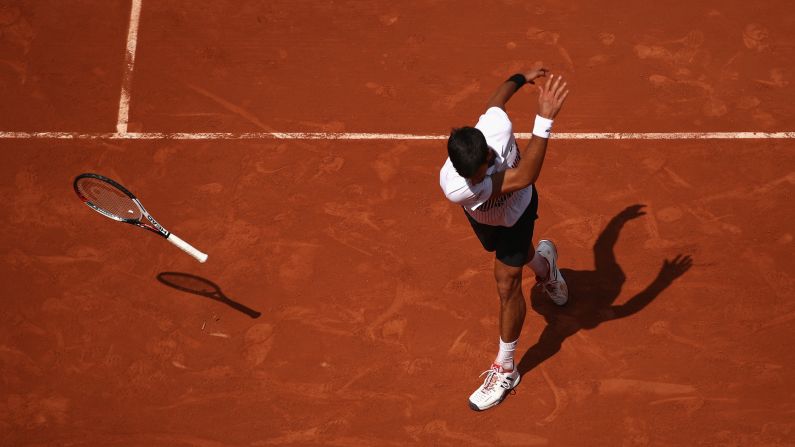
x: 508, y: 282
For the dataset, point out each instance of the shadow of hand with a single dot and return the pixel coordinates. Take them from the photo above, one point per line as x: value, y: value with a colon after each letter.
x: 631, y: 212
x: 672, y: 269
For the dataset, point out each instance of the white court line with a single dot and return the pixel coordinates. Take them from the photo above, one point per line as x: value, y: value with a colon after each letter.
x: 383, y: 136
x: 129, y: 62
x: 124, y: 111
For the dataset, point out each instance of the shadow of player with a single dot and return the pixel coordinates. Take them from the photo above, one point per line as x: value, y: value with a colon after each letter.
x: 592, y: 293
x: 202, y: 287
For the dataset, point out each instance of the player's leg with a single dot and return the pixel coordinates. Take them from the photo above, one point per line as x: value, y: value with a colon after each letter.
x: 502, y: 376
x: 511, y: 247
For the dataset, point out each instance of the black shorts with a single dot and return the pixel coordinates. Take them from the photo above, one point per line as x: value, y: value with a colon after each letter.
x: 511, y: 244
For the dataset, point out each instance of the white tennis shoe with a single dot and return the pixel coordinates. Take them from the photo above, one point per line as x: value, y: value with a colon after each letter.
x: 554, y: 286
x: 497, y: 385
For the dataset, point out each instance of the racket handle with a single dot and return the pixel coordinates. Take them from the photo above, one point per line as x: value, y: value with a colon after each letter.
x: 186, y: 247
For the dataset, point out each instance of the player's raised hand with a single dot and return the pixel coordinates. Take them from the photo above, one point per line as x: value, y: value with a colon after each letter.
x: 537, y: 70
x: 551, y: 96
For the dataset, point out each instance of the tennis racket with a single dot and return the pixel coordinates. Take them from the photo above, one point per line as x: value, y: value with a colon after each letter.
x: 112, y: 200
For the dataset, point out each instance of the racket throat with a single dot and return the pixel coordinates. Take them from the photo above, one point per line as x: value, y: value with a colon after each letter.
x: 151, y: 219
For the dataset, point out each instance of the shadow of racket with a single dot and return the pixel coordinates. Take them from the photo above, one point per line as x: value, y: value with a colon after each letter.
x: 202, y: 287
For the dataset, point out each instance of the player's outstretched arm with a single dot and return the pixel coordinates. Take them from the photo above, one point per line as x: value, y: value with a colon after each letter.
x: 551, y: 96
x: 506, y: 90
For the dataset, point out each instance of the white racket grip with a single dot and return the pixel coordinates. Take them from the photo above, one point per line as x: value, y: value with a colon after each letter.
x: 186, y: 247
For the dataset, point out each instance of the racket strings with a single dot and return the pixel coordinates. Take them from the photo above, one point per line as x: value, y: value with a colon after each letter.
x: 109, y: 198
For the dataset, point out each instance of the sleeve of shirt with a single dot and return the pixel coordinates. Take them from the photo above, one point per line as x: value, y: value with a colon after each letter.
x: 470, y: 196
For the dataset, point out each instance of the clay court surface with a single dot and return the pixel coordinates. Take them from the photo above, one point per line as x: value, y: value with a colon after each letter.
x: 378, y: 306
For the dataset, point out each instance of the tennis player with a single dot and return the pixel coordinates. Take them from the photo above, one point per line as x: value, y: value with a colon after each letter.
x: 484, y: 175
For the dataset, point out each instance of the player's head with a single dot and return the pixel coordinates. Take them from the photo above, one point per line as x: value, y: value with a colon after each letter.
x: 469, y: 153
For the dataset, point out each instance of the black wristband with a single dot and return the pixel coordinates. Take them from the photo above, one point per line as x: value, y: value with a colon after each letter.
x: 518, y: 79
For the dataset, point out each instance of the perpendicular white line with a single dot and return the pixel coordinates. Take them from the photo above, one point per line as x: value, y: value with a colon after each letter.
x: 383, y: 136
x: 129, y: 63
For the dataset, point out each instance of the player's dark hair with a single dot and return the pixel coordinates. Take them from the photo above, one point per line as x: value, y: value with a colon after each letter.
x: 467, y: 150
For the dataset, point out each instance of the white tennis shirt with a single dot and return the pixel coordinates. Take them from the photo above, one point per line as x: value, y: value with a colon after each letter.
x: 506, y: 209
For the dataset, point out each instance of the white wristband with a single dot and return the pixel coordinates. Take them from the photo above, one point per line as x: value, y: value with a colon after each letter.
x: 542, y: 127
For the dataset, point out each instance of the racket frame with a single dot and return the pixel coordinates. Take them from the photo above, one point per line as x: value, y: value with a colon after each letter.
x: 152, y: 225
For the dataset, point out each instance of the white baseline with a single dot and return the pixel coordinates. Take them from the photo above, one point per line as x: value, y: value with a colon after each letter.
x: 383, y: 136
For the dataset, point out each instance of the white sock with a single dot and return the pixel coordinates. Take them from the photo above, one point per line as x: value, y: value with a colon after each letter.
x: 539, y: 266
x: 505, y: 356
